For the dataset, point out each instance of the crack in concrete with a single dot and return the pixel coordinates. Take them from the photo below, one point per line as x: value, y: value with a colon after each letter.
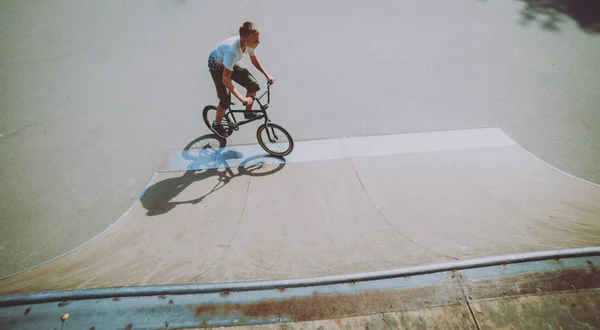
x: 389, y: 223
x: 232, y: 236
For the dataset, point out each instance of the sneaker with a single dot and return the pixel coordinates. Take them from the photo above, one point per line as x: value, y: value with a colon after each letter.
x: 250, y: 115
x: 219, y: 130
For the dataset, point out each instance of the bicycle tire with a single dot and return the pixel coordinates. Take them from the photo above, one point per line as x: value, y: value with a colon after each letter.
x: 286, y: 152
x: 208, y: 123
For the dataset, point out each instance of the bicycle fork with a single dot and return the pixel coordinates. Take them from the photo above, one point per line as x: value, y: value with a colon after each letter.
x: 271, y: 133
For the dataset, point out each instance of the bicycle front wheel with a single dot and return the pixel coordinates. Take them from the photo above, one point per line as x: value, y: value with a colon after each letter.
x: 275, y: 140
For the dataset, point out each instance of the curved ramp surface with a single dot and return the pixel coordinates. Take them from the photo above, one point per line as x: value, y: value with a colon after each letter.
x: 334, y: 206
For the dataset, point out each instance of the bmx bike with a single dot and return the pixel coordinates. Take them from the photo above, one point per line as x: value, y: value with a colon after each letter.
x: 271, y: 137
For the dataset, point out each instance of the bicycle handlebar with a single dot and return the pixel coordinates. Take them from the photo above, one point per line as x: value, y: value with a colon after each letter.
x: 254, y: 98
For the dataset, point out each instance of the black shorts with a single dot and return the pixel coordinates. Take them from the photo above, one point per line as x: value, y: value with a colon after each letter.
x: 241, y: 76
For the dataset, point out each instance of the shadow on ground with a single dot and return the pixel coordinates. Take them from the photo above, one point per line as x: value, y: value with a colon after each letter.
x: 208, y: 159
x: 550, y: 14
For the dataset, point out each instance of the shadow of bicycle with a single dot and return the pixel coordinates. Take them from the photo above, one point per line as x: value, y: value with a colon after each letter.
x: 208, y: 158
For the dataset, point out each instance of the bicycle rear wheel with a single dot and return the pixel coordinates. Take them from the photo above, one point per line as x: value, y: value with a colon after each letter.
x: 275, y: 140
x: 209, y: 114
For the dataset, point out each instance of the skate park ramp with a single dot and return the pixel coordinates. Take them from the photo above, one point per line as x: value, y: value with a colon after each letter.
x: 217, y: 213
x: 213, y: 214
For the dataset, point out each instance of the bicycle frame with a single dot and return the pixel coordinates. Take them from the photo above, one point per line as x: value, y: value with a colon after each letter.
x: 263, y: 109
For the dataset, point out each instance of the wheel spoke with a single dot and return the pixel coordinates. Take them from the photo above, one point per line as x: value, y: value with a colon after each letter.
x: 275, y: 140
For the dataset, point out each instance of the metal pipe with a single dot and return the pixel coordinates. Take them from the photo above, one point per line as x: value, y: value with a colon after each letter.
x: 178, y: 289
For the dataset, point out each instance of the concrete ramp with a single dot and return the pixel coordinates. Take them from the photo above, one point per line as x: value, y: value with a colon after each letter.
x: 215, y: 213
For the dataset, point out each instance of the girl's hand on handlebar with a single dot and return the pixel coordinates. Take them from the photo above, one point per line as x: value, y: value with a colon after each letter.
x: 271, y: 80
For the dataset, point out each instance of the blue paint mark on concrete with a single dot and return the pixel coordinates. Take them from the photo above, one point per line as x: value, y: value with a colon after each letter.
x: 529, y: 267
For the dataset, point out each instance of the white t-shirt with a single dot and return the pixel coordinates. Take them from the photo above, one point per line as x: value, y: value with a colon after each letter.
x: 227, y: 53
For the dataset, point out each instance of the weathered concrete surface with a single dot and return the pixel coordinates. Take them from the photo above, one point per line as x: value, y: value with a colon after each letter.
x: 493, y: 201
x: 93, y: 92
x: 331, y: 217
x: 551, y: 294
x: 553, y: 311
x: 506, y: 294
x: 447, y: 317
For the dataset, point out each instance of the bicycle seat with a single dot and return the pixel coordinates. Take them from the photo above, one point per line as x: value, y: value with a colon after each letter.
x: 232, y: 103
